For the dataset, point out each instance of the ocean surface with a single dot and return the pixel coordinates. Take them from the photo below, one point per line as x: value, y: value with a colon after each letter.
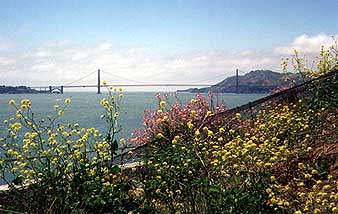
x: 85, y: 107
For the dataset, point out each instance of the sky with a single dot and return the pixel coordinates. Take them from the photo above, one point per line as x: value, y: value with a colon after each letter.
x: 46, y: 42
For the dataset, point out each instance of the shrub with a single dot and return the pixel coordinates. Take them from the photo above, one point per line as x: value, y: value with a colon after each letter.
x: 63, y: 167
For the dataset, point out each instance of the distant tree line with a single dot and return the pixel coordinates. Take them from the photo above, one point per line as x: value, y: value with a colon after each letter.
x: 16, y: 90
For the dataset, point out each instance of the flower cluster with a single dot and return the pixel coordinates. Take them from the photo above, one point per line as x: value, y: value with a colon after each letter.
x: 64, y: 162
x: 266, y: 160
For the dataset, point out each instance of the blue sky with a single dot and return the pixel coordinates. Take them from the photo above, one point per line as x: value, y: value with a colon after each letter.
x: 168, y: 25
x: 162, y: 28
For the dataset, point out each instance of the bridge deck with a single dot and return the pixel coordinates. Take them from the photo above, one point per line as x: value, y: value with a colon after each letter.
x: 124, y: 85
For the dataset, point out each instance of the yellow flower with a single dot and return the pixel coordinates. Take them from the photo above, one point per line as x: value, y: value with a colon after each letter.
x: 209, y: 113
x: 160, y: 135
x: 162, y: 104
x: 25, y: 102
x: 301, y: 165
x: 120, y: 89
x: 238, y: 115
x: 122, y: 141
x: 316, y: 210
x: 268, y: 190
x: 104, y: 82
x: 190, y: 125
x: 306, y: 175
x: 11, y: 102
x: 67, y: 100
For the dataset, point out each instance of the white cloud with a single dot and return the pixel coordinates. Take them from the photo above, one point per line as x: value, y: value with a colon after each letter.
x: 306, y: 44
x: 5, y: 61
x: 42, y: 54
x: 61, y: 62
x: 79, y: 56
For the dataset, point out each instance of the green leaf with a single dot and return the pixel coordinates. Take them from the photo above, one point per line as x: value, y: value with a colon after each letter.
x: 214, y: 189
x: 116, y: 169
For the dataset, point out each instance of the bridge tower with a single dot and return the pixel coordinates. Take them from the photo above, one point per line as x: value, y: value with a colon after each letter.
x: 98, y: 82
x: 237, y: 81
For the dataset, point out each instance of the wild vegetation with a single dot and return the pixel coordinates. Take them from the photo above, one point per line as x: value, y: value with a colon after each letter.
x: 280, y: 157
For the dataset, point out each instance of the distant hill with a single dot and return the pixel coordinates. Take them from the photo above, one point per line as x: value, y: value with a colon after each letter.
x: 17, y: 90
x: 258, y: 81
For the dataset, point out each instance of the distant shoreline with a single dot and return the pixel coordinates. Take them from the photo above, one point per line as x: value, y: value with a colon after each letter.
x: 17, y: 90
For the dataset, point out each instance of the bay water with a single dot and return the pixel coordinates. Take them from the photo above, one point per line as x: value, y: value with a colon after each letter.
x: 86, y: 110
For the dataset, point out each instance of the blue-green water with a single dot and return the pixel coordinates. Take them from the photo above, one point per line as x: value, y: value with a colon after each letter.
x: 85, y: 107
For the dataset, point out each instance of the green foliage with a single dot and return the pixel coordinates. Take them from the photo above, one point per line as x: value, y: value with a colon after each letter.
x: 63, y: 167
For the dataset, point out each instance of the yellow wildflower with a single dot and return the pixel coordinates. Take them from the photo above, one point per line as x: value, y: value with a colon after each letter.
x: 11, y: 102
x: 163, y: 104
x: 67, y: 100
x: 159, y: 135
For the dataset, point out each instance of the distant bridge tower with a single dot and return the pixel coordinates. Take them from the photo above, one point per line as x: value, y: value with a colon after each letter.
x: 98, y: 82
x: 237, y: 82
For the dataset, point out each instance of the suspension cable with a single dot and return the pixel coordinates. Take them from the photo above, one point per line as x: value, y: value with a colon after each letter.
x: 123, y: 78
x: 77, y: 80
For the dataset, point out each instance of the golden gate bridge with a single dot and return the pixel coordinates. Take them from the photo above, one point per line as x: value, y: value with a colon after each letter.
x: 99, y: 85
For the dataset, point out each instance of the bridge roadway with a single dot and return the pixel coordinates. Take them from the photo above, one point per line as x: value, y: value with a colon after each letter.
x: 125, y: 85
x: 59, y: 89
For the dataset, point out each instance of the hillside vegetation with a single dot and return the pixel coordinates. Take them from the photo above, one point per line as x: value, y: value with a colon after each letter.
x: 258, y: 81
